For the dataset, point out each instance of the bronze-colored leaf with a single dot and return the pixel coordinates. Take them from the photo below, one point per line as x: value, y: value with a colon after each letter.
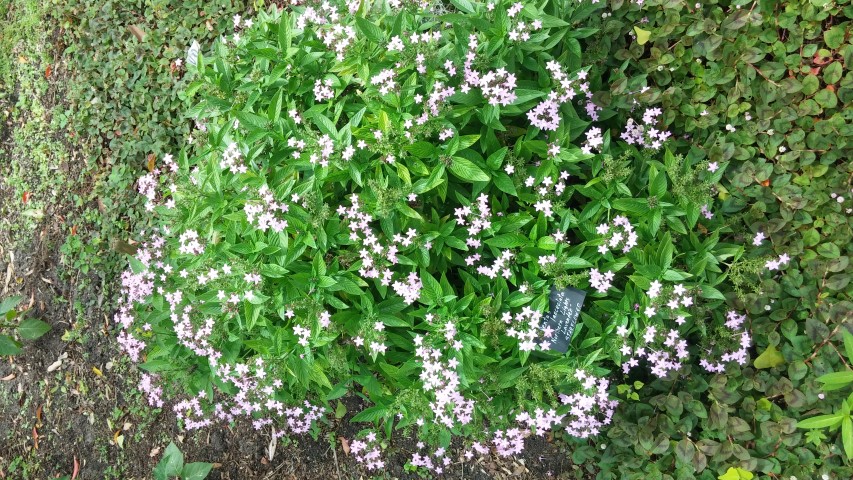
x: 137, y: 32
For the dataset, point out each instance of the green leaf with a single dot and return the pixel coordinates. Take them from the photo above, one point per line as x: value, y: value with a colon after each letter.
x: 847, y: 437
x: 643, y: 36
x: 466, y: 170
x: 833, y: 38
x: 171, y: 464
x: 508, y: 240
x: 272, y: 270
x: 821, y: 421
x: 463, y: 5
x: 657, y: 184
x: 285, y: 34
x: 340, y: 411
x: 431, y: 292
x: 421, y: 149
x: 836, y: 380
x: 769, y: 358
x: 576, y: 262
x: 196, y: 471
x: 369, y: 30
x: 31, y: 329
x: 632, y: 205
x: 371, y: 414
x: 9, y: 304
x: 736, y: 474
x: 8, y: 346
x: 848, y: 345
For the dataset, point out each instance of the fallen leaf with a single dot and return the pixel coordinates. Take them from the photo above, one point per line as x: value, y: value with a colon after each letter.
x: 97, y: 371
x: 154, y: 452
x: 769, y: 358
x: 76, y: 468
x: 151, y: 159
x: 344, y: 445
x: 25, y: 197
x: 643, y: 36
x: 55, y: 365
x: 47, y: 71
x: 9, y: 377
x: 765, y: 183
x: 273, y: 443
x: 137, y: 32
x: 35, y: 438
x: 38, y: 415
x: 74, y: 230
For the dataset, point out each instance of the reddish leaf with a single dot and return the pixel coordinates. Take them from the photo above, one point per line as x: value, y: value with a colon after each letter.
x: 76, y: 468
x: 25, y: 197
x: 47, y: 72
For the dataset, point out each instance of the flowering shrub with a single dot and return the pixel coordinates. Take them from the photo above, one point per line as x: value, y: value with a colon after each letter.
x: 379, y: 199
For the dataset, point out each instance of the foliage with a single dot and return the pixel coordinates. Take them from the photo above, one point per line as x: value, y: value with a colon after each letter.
x: 841, y: 418
x: 26, y: 328
x: 172, y: 466
x: 729, y: 195
x: 124, y: 100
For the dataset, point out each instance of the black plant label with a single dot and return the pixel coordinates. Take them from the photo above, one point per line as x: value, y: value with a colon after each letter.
x: 561, y: 319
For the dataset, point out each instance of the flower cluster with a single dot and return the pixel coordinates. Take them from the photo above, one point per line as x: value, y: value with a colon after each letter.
x: 439, y: 461
x: 334, y: 34
x: 367, y: 451
x: 153, y: 393
x: 384, y: 80
x: 591, y: 409
x: 323, y: 90
x: 525, y: 327
x: 232, y: 159
x: 679, y: 296
x: 149, y: 183
x: 498, y: 87
x: 262, y: 215
x: 776, y: 264
x: 376, y: 257
x: 190, y: 243
x: 741, y: 340
x: 546, y: 115
x: 645, y: 134
x: 621, y: 234
x: 664, y: 349
x: 440, y: 377
x: 600, y: 281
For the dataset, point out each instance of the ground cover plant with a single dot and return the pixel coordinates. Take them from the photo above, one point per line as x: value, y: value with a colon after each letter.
x: 374, y: 200
x: 379, y: 198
